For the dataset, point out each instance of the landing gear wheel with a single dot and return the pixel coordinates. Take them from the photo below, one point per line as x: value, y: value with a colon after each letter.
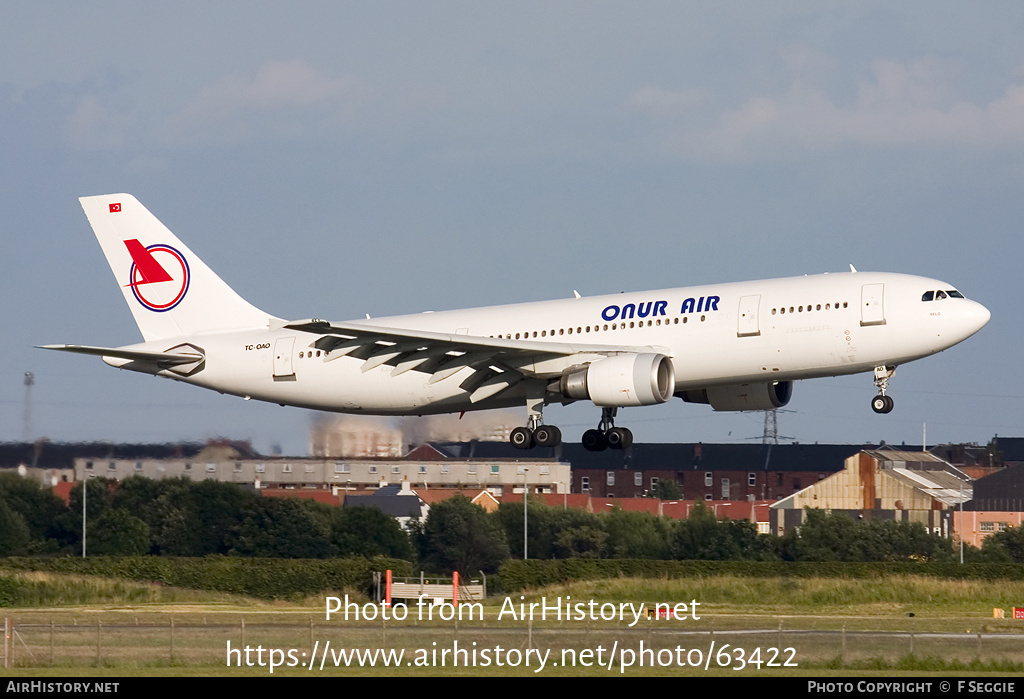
x: 882, y: 404
x: 594, y: 440
x: 619, y: 438
x: 547, y: 436
x: 521, y: 438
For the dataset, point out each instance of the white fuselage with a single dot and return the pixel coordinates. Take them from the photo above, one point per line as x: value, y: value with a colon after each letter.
x: 717, y: 335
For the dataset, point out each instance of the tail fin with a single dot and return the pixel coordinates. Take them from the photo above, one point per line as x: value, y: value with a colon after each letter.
x: 169, y: 290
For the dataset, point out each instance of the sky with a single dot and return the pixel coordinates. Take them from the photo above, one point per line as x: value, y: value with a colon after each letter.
x: 333, y: 159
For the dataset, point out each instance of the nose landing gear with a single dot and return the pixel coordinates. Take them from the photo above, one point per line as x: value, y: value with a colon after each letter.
x: 883, y: 403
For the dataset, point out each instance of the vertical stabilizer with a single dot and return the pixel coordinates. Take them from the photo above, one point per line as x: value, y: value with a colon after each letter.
x: 169, y: 290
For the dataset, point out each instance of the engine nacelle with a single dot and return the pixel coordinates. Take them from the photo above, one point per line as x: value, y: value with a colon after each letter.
x: 621, y: 380
x: 747, y: 396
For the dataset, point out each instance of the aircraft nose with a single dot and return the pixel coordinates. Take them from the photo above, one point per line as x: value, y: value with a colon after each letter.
x: 975, y: 317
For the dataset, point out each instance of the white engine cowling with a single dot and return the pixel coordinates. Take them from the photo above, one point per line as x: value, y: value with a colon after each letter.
x: 621, y: 380
x: 747, y: 396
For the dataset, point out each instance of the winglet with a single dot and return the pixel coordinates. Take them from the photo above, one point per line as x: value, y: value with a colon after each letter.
x: 853, y: 269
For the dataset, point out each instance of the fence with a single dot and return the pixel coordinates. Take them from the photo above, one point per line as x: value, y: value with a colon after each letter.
x: 434, y: 646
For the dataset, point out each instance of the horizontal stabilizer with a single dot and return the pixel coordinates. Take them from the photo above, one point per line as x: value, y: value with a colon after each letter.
x: 170, y: 358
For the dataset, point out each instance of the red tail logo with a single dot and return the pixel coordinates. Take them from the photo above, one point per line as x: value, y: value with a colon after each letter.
x: 169, y: 286
x: 146, y: 265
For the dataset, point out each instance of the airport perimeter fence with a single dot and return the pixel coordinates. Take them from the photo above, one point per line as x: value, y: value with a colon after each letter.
x: 316, y: 646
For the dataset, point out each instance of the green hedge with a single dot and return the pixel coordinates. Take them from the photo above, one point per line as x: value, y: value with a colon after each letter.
x: 518, y: 575
x: 266, y: 578
x: 8, y: 591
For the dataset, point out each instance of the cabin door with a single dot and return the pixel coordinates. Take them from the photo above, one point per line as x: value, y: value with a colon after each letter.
x: 872, y: 309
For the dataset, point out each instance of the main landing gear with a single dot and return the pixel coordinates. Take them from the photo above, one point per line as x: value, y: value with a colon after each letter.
x: 607, y: 435
x: 538, y: 436
x: 882, y: 403
x: 535, y: 434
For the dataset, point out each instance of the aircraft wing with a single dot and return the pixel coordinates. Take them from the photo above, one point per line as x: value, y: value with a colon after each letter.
x: 498, y: 363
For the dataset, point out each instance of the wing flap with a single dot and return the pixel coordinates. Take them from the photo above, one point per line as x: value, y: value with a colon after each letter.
x: 443, y: 354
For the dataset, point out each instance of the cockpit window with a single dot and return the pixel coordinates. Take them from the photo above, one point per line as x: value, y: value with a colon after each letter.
x: 940, y: 294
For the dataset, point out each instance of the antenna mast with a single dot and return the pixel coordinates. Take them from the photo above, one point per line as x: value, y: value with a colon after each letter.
x: 26, y: 425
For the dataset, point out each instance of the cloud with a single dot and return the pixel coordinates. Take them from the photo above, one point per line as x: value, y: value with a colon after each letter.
x: 901, y: 105
x: 94, y: 125
x: 666, y: 104
x: 280, y: 97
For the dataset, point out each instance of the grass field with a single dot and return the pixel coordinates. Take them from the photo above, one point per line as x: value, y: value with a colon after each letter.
x: 745, y: 626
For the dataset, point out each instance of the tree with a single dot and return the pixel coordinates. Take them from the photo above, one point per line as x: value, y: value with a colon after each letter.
x: 14, y: 533
x: 889, y: 540
x: 703, y: 537
x: 541, y: 529
x: 38, y: 506
x: 823, y: 537
x: 218, y: 509
x: 185, y: 518
x: 282, y: 528
x: 837, y: 536
x: 1009, y: 542
x: 666, y: 489
x: 460, y: 536
x: 580, y: 542
x: 636, y: 535
x: 69, y: 523
x: 367, y: 531
x: 118, y: 533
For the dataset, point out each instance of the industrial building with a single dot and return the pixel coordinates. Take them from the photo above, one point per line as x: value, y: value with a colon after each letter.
x: 907, y: 486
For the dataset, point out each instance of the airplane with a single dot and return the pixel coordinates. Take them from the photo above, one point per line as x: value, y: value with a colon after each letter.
x: 734, y: 346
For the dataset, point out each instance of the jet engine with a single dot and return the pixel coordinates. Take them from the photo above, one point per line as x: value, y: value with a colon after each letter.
x: 746, y: 396
x: 621, y: 380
